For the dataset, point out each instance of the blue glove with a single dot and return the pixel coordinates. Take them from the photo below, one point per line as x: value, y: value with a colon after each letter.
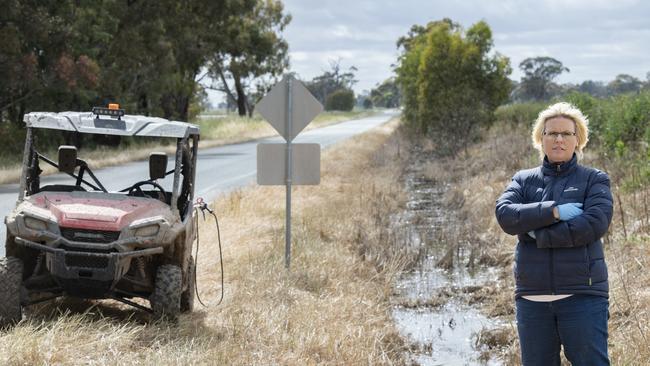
x: 532, y: 234
x: 570, y: 210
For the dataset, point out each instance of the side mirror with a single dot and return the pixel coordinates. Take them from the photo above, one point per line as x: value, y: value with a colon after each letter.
x: 157, y: 165
x: 67, y: 159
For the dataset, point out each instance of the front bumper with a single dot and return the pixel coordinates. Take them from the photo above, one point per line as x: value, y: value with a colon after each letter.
x: 87, y: 274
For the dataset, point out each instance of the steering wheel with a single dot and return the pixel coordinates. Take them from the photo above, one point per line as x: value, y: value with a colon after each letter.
x: 136, y: 191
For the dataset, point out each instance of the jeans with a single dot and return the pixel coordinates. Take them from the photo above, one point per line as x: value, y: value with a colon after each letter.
x: 578, y: 323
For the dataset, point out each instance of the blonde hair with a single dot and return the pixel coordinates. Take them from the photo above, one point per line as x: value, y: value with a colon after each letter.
x: 565, y: 110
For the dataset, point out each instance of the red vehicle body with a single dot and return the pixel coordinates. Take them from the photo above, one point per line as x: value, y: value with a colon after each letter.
x: 81, y: 240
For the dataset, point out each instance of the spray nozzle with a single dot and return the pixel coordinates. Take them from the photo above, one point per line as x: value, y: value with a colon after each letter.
x: 203, y: 206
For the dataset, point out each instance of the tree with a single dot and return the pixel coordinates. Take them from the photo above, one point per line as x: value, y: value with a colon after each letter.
x: 450, y: 83
x: 253, y: 49
x: 160, y: 47
x: 70, y: 55
x: 537, y: 82
x: 624, y: 83
x: 593, y: 88
x: 362, y: 100
x: 331, y: 81
x: 41, y: 65
x: 386, y: 95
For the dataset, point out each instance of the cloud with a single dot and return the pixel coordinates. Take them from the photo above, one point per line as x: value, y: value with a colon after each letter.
x: 596, y: 39
x: 589, y: 4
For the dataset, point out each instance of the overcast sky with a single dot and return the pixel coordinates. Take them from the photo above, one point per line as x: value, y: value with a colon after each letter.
x: 595, y: 39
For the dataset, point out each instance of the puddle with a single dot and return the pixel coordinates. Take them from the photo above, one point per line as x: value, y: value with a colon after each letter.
x: 433, y: 313
x: 444, y: 336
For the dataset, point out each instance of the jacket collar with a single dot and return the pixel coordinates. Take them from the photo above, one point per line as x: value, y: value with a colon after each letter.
x: 549, y: 168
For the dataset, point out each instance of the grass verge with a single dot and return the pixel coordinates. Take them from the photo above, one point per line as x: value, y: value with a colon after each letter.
x: 333, y: 307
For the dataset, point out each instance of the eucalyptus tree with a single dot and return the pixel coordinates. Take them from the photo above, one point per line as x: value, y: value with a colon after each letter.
x: 386, y: 94
x: 332, y: 80
x: 451, y: 81
x: 252, y: 53
x: 624, y: 83
x: 539, y: 72
x: 159, y: 48
x: 41, y: 64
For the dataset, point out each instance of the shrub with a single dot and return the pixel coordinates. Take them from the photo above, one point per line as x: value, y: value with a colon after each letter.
x: 519, y: 113
x: 340, y: 100
x: 620, y: 122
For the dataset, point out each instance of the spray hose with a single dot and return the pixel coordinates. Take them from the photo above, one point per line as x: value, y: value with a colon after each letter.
x: 200, y: 204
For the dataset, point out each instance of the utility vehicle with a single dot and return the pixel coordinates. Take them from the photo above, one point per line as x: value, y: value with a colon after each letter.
x: 74, y: 237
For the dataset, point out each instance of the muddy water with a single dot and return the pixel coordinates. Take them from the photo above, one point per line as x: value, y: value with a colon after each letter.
x: 432, y: 312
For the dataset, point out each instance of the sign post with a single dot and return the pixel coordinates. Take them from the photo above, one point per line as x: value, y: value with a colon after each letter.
x: 289, y: 107
x: 287, y: 215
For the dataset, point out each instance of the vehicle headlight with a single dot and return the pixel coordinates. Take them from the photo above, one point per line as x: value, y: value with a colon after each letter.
x: 35, y: 224
x: 149, y: 230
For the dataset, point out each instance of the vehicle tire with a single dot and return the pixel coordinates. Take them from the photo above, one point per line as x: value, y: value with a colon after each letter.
x: 187, y: 297
x: 166, y: 298
x: 11, y: 277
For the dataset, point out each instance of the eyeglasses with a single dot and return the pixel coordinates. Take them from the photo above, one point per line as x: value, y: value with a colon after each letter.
x: 554, y: 135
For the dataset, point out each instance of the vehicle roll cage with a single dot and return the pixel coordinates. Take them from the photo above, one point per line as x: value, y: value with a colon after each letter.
x: 30, y: 181
x: 83, y: 167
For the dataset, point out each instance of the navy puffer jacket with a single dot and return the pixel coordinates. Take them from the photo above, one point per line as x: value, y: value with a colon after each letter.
x: 567, y: 256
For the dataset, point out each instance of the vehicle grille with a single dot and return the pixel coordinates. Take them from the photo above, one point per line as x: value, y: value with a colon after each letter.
x: 90, y: 236
x: 86, y: 261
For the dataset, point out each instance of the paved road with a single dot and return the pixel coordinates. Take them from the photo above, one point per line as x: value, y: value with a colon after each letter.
x: 220, y: 169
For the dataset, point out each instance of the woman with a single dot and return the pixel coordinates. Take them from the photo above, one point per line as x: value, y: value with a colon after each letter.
x: 559, y: 212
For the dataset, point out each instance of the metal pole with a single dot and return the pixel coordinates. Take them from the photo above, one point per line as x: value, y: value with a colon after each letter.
x: 177, y: 174
x: 27, y: 161
x: 289, y: 120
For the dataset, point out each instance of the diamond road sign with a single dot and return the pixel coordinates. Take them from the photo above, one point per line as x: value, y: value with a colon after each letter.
x: 304, y: 107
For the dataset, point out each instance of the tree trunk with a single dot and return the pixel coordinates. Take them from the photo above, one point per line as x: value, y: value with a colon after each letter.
x: 143, y: 104
x: 226, y: 89
x: 166, y: 105
x: 241, y: 95
x: 251, y: 108
x: 183, y: 107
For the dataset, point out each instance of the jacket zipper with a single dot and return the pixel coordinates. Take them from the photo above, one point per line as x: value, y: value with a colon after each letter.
x: 558, y: 170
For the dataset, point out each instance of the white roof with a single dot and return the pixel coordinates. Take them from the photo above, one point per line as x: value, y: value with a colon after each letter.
x: 128, y: 125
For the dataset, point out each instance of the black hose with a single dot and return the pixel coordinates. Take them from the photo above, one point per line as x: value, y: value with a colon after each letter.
x: 204, y: 207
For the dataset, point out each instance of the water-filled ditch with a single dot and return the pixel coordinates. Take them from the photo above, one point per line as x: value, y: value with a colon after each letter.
x: 433, y: 310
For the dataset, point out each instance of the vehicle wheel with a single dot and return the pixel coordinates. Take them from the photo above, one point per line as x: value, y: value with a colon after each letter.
x: 11, y: 277
x: 187, y: 297
x: 166, y: 298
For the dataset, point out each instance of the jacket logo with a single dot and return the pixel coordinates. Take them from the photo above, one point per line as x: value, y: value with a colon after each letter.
x: 571, y: 189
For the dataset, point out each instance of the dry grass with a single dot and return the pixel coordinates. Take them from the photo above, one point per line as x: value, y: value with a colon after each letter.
x: 331, y: 308
x: 628, y: 250
x: 214, y: 132
x: 476, y: 181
